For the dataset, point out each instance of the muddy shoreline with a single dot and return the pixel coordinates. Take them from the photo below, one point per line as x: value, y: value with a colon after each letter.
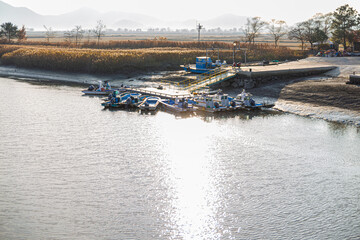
x: 317, y: 97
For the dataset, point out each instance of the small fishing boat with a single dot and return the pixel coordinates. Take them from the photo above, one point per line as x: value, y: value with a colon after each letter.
x: 123, y: 100
x: 100, y: 90
x: 178, y: 106
x: 244, y: 99
x: 216, y: 103
x: 202, y: 65
x: 149, y: 103
x: 208, y: 104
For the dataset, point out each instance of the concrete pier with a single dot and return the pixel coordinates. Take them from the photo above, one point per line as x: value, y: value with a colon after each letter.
x: 258, y: 72
x: 249, y: 77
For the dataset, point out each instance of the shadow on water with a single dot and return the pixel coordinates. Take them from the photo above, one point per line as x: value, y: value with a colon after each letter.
x: 94, y: 96
x: 147, y: 112
x: 243, y: 115
x: 50, y: 83
x: 123, y: 109
x: 341, y: 129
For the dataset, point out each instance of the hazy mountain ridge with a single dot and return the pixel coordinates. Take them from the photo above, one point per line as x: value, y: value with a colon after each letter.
x: 87, y: 18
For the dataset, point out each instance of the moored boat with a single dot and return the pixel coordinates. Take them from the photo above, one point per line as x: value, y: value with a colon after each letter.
x: 123, y: 100
x: 202, y: 65
x: 149, y: 103
x: 245, y: 99
x: 100, y: 90
x: 178, y: 106
x: 217, y: 102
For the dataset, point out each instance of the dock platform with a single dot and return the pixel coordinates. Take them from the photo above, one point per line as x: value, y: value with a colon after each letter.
x: 256, y: 74
x: 163, y: 93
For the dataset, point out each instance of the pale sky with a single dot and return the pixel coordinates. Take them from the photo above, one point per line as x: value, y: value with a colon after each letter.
x: 288, y: 10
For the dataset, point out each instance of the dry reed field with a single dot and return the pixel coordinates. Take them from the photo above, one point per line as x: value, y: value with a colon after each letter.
x: 176, y: 37
x: 129, y: 56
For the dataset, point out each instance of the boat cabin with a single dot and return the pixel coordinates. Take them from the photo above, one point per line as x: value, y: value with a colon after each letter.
x: 224, y: 100
x: 203, y: 62
x: 209, y: 102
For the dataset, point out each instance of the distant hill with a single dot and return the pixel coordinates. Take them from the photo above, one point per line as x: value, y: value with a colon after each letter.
x: 87, y: 18
x: 128, y: 24
x: 18, y: 15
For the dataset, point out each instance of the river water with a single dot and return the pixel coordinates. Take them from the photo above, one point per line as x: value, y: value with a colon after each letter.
x: 71, y: 170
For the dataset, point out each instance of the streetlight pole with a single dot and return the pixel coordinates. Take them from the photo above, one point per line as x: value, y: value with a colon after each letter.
x: 245, y: 56
x: 199, y: 27
x: 234, y: 53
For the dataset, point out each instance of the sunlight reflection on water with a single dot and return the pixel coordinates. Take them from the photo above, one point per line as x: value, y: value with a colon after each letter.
x: 69, y: 170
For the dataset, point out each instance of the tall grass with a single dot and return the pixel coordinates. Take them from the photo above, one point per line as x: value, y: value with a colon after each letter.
x: 130, y: 44
x: 124, y: 60
x: 133, y: 44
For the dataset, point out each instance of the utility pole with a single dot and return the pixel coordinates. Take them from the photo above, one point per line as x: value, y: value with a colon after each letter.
x: 199, y: 27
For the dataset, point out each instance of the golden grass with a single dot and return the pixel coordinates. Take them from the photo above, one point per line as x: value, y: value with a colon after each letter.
x: 124, y: 60
x: 174, y: 37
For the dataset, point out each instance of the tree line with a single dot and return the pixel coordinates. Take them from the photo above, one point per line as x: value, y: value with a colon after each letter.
x: 75, y: 35
x: 9, y: 31
x: 341, y: 26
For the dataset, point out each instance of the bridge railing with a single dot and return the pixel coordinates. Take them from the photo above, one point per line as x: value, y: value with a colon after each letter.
x: 208, y: 81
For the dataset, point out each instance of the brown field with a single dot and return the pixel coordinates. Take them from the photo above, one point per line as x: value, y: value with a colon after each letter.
x: 225, y: 37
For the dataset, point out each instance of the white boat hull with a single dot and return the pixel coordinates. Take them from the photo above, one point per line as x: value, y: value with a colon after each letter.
x: 100, y: 93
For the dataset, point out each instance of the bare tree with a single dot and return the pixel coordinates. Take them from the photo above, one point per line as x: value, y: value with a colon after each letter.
x: 99, y: 30
x: 78, y: 34
x: 49, y: 33
x: 313, y: 33
x: 323, y: 22
x: 68, y: 35
x: 247, y: 33
x: 277, y: 29
x: 327, y: 21
x: 253, y: 28
x: 298, y: 33
x: 89, y: 33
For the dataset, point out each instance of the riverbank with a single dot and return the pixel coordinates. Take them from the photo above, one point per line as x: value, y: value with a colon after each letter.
x: 326, y: 97
x: 316, y: 97
x: 138, y: 79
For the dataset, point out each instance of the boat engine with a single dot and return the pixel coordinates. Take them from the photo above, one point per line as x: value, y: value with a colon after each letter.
x: 252, y: 102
